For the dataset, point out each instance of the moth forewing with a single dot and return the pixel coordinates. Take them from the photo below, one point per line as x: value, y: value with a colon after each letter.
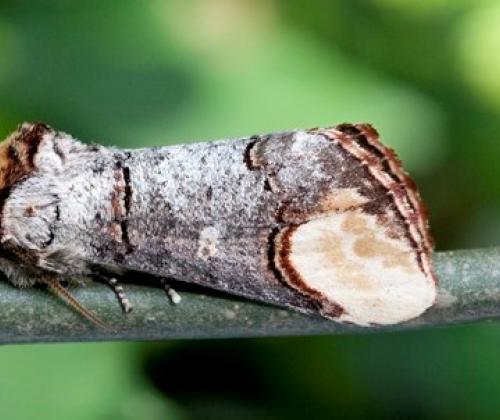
x: 324, y: 221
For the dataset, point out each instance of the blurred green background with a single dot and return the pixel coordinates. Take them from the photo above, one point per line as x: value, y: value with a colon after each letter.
x: 425, y: 73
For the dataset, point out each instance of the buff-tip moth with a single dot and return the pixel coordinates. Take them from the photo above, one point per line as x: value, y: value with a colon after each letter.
x: 324, y: 221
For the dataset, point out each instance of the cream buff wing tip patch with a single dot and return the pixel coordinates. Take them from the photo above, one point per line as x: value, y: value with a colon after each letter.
x: 359, y: 274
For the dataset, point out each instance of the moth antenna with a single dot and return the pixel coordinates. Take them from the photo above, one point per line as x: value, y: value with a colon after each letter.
x: 63, y: 293
x: 120, y: 294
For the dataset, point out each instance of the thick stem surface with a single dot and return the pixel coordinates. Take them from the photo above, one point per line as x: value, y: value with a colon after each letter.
x: 469, y: 290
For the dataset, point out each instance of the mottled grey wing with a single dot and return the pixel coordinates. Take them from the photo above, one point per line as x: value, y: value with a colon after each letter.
x: 325, y: 221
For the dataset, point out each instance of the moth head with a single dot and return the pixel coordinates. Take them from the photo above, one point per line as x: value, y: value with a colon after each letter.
x: 17, y: 153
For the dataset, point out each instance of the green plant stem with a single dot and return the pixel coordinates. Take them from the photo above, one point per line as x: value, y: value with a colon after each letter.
x: 469, y: 290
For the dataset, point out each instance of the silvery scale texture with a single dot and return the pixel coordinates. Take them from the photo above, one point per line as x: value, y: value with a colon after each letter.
x: 222, y: 214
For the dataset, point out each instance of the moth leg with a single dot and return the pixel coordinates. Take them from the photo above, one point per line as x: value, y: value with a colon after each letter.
x: 120, y: 294
x: 64, y: 294
x: 174, y: 297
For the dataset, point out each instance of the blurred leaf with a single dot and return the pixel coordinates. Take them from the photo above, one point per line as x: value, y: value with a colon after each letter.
x: 80, y: 68
x: 96, y: 381
x: 478, y: 41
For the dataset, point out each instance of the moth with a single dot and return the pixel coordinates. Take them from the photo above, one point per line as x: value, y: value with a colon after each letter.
x: 324, y: 221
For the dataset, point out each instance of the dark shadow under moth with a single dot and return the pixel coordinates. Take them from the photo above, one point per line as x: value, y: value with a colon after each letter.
x: 325, y: 221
